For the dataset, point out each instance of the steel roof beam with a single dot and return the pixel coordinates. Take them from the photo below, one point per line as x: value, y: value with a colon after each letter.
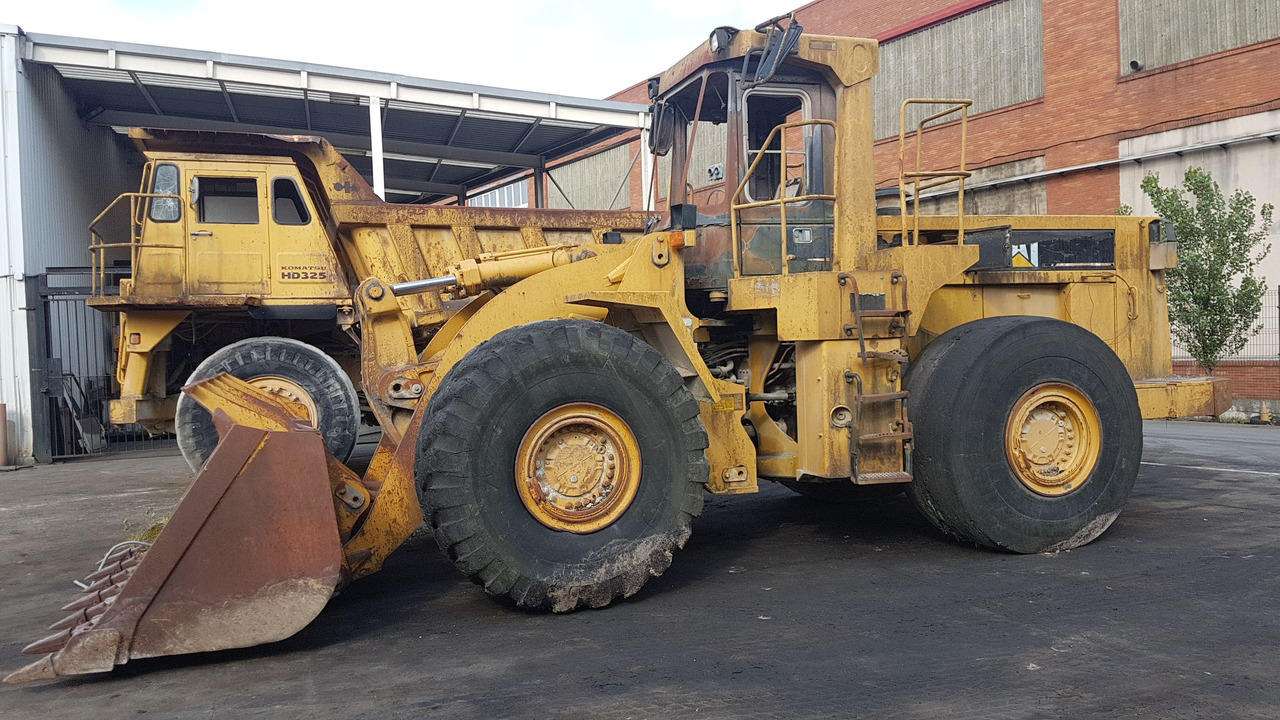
x: 146, y: 93
x: 231, y: 107
x: 120, y: 118
x: 178, y: 62
x: 409, y: 185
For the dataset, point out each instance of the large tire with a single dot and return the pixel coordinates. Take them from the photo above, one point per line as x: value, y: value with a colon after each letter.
x: 319, y: 376
x: 985, y: 392
x: 476, y: 428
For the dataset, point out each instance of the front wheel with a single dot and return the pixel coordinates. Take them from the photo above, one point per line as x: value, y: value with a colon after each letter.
x: 292, y: 369
x: 561, y: 463
x: 1028, y: 435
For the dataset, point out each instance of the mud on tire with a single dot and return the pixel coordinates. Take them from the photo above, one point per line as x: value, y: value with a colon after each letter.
x: 305, y: 365
x: 466, y: 464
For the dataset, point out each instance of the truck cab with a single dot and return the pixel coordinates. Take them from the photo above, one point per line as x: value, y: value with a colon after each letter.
x: 221, y: 231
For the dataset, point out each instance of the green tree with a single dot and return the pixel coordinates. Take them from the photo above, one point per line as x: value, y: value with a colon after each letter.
x: 1214, y: 294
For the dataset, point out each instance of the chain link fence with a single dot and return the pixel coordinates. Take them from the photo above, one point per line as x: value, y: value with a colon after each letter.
x: 1255, y: 370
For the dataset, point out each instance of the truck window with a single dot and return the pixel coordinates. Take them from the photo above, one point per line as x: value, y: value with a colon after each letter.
x: 765, y: 111
x: 287, y: 205
x: 228, y: 200
x: 165, y: 210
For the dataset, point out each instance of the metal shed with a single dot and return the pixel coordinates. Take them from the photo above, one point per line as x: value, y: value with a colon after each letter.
x: 65, y: 101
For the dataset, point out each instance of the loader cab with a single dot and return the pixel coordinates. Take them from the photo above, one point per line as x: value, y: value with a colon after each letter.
x: 218, y: 232
x: 756, y: 157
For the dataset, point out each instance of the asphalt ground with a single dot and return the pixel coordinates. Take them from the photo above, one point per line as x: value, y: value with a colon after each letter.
x: 777, y: 607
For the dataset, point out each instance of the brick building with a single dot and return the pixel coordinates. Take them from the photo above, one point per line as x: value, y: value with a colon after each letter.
x: 1075, y: 101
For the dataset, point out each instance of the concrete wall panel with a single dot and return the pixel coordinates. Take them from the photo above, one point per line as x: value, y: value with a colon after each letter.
x: 592, y: 182
x: 1253, y: 166
x: 70, y: 172
x: 995, y: 56
x: 1156, y: 33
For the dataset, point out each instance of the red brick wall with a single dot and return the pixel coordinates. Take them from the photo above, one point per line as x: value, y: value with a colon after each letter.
x: 1087, y: 107
x: 1250, y: 379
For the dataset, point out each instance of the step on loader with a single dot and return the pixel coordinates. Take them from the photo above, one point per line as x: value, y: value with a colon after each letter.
x: 559, y: 430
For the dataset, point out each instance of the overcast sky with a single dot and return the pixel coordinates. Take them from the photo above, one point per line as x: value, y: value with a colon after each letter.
x: 590, y: 48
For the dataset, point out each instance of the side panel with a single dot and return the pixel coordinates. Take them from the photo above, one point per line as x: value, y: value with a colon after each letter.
x: 302, y: 263
x: 229, y: 256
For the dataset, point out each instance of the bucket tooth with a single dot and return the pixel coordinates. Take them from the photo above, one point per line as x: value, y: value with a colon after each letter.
x: 108, y: 581
x: 106, y: 571
x: 41, y: 669
x: 49, y: 644
x: 125, y: 552
x: 70, y: 622
x: 91, y: 599
x: 97, y: 586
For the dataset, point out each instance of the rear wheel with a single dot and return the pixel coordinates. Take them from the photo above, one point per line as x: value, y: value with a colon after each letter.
x: 1028, y: 434
x: 561, y: 463
x: 286, y: 367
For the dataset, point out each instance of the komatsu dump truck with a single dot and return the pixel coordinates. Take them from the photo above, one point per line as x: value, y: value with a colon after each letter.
x: 242, y: 254
x: 559, y: 419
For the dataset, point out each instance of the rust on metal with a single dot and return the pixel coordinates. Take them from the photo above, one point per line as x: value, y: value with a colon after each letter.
x: 251, y: 555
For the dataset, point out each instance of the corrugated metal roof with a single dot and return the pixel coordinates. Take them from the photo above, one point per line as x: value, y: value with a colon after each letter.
x: 441, y: 137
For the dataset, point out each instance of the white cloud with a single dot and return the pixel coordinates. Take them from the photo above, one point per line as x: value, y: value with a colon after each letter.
x: 570, y: 47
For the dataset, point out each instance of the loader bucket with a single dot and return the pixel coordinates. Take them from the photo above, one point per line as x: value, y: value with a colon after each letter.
x: 251, y: 555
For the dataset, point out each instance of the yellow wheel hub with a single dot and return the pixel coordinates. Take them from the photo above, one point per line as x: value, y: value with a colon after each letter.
x: 1053, y: 439
x: 289, y: 390
x: 578, y: 468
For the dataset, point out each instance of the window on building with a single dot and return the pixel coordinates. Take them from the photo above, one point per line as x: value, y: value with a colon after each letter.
x: 287, y: 205
x: 515, y: 195
x: 227, y: 200
x: 165, y: 210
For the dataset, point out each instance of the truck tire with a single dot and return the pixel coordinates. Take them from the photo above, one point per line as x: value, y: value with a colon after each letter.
x: 299, y: 371
x: 1028, y: 435
x: 561, y: 463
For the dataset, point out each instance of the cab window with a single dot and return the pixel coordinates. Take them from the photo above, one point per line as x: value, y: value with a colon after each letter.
x: 165, y: 210
x: 287, y: 205
x: 228, y: 200
x: 766, y: 110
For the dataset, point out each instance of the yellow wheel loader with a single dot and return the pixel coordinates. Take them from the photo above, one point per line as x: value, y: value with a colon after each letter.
x: 558, y: 430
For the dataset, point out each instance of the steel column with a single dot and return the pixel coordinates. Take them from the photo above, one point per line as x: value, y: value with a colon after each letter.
x: 375, y: 145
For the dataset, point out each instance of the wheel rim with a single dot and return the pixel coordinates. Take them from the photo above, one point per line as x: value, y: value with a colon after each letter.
x: 578, y: 468
x: 1053, y: 439
x: 289, y: 390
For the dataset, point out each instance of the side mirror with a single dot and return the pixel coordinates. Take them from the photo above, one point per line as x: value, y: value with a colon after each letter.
x: 195, y: 191
x: 662, y: 128
x: 1162, y: 231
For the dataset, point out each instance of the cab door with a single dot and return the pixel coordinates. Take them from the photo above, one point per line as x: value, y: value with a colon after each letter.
x: 227, y: 228
x: 304, y: 266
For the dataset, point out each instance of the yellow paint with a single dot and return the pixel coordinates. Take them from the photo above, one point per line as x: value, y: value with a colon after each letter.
x: 1053, y: 438
x: 578, y: 468
x: 851, y: 327
x: 1184, y: 397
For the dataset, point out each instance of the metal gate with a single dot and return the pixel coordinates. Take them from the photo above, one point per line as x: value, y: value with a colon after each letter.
x: 73, y: 372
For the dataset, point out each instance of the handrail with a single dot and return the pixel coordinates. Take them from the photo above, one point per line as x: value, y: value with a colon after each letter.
x: 97, y: 245
x: 936, y: 178
x: 781, y: 201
